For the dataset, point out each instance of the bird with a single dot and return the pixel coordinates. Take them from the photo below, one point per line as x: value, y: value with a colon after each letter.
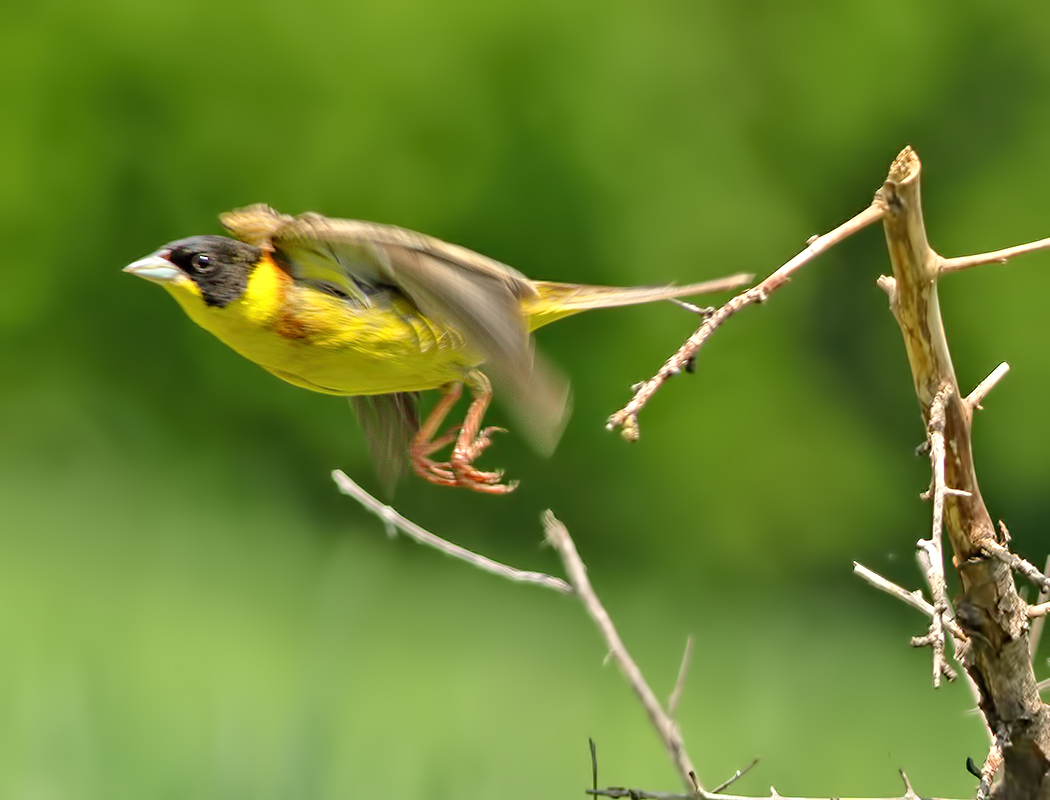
x: 379, y: 314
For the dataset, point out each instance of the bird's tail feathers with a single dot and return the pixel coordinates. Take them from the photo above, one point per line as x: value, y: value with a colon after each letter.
x: 553, y: 301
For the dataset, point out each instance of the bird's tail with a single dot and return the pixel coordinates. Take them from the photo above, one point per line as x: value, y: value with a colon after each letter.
x: 553, y: 301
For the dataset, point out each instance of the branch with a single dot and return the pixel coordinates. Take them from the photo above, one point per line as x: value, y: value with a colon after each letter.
x: 974, y: 398
x: 679, y: 684
x: 931, y: 550
x: 740, y: 773
x: 559, y: 538
x: 995, y: 257
x: 989, y: 609
x: 913, y: 599
x: 666, y: 727
x: 640, y: 794
x: 395, y: 522
x: 627, y: 418
x: 1039, y: 614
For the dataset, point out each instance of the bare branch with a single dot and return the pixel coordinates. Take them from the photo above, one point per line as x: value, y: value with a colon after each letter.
x: 913, y: 599
x: 1038, y: 612
x: 908, y: 791
x: 393, y: 520
x: 974, y: 398
x: 627, y: 418
x: 679, y: 684
x: 666, y: 727
x: 740, y: 773
x: 995, y: 257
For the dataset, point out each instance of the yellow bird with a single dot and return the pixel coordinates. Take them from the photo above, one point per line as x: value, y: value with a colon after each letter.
x: 380, y: 313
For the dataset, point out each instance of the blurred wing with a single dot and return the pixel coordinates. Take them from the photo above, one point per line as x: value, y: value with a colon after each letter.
x: 389, y: 422
x: 478, y: 296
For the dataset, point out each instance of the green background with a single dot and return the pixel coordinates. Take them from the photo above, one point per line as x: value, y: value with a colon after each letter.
x: 187, y: 606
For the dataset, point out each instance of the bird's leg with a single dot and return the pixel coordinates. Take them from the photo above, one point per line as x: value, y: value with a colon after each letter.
x: 470, y: 442
x: 423, y: 443
x: 473, y: 440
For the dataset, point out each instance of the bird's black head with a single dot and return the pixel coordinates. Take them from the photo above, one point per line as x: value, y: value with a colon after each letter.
x: 219, y: 266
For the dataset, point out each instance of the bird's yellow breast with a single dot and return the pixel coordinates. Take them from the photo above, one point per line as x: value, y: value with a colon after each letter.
x: 328, y: 344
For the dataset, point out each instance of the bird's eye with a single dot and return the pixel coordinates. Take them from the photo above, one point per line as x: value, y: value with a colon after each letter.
x: 201, y: 263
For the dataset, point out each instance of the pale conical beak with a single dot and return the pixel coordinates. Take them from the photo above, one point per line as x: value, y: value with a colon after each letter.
x: 155, y: 267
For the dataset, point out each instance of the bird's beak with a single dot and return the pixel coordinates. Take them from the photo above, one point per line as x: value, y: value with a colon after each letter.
x: 155, y: 267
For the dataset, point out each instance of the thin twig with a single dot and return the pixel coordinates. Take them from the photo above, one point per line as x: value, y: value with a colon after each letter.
x: 594, y: 763
x: 1037, y: 612
x: 392, y: 519
x: 666, y: 728
x: 1036, y: 632
x: 908, y: 791
x: 627, y: 418
x: 1016, y: 563
x: 974, y: 398
x: 994, y: 257
x: 932, y: 548
x: 913, y: 599
x: 639, y: 794
x: 740, y: 773
x: 679, y: 684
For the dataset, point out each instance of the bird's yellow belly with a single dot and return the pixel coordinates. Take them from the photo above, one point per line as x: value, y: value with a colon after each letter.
x: 331, y: 349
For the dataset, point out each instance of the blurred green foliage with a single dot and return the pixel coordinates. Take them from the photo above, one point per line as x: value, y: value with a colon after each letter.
x: 187, y: 607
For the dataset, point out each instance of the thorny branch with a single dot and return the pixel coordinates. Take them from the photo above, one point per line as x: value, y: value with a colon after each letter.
x: 931, y: 550
x: 627, y: 418
x: 989, y: 608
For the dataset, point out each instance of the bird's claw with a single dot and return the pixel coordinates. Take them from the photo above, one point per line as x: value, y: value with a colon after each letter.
x: 459, y: 470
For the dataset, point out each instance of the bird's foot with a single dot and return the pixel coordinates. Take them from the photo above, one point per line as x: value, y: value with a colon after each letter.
x: 459, y: 470
x: 463, y: 465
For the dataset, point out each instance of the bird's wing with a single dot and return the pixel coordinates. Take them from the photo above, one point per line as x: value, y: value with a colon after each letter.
x: 478, y: 296
x: 389, y: 422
